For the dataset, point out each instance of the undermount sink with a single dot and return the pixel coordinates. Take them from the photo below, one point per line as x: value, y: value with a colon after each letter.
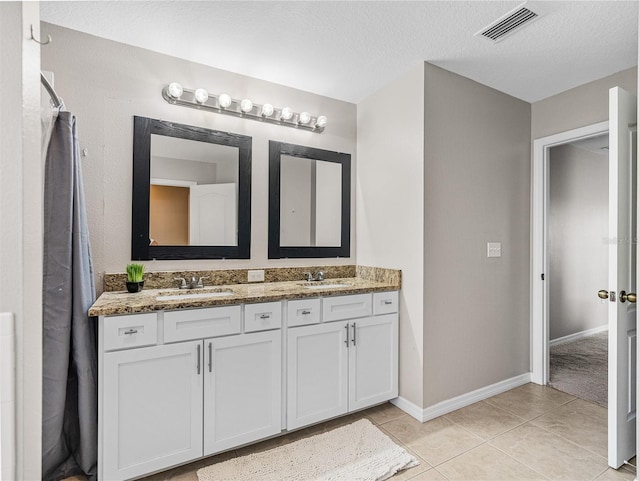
x: 199, y: 295
x: 325, y: 286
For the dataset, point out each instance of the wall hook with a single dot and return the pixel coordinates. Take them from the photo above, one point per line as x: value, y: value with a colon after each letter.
x: 49, y: 39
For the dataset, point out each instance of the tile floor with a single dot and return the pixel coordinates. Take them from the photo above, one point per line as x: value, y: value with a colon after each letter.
x: 529, y: 433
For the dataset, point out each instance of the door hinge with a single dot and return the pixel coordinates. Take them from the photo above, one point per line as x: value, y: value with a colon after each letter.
x: 542, y: 276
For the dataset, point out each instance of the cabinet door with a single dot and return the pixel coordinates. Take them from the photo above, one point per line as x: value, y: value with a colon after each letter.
x: 316, y: 373
x: 242, y: 389
x: 151, y: 409
x: 373, y: 360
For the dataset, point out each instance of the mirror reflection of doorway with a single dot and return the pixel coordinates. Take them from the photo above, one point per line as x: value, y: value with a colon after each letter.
x: 578, y: 267
x: 168, y: 215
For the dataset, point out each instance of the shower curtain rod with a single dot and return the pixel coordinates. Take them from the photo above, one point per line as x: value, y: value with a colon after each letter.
x: 49, y: 88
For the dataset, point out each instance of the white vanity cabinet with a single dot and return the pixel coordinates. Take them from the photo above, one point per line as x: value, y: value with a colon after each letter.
x: 174, y: 402
x: 317, y: 370
x: 346, y: 363
x: 175, y: 386
x: 373, y: 361
x: 151, y: 404
x: 242, y: 389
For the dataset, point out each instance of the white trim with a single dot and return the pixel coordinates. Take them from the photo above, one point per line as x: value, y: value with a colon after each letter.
x: 450, y: 405
x: 578, y: 335
x: 408, y: 407
x: 171, y: 182
x: 7, y: 397
x: 539, y: 260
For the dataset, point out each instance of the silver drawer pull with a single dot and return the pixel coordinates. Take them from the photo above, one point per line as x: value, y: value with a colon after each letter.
x: 305, y: 313
x: 265, y: 316
x: 131, y: 331
x: 210, y: 358
x: 346, y: 338
x: 198, y: 356
x: 388, y: 303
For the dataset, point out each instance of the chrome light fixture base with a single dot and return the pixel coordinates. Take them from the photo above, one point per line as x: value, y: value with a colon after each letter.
x: 212, y: 103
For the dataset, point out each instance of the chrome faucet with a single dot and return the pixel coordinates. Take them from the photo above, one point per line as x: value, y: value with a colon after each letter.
x: 193, y: 283
x: 319, y: 276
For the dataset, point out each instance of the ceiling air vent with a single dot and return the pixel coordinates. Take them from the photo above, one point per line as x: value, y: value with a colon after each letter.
x: 508, y: 24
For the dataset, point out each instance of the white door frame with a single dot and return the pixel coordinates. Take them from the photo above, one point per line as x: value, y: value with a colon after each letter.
x: 539, y: 239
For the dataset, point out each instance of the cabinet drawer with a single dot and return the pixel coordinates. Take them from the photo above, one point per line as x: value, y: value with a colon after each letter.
x: 385, y: 302
x: 346, y: 307
x: 262, y: 317
x: 200, y: 323
x: 135, y: 330
x: 303, y: 311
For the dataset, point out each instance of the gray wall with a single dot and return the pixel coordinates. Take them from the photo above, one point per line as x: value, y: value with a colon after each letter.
x: 440, y: 178
x: 584, y: 105
x: 578, y: 226
x: 105, y: 83
x: 477, y: 185
x: 390, y: 206
x: 168, y: 168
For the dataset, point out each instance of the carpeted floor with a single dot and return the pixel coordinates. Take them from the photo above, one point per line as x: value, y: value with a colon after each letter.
x: 580, y: 368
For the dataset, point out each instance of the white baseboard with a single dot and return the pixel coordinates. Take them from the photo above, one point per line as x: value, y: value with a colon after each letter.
x: 450, y: 405
x: 578, y: 335
x: 408, y: 407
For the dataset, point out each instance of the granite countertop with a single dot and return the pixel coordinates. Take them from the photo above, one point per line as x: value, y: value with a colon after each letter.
x: 121, y: 302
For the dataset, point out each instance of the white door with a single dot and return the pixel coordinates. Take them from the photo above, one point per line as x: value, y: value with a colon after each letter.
x: 373, y: 361
x: 152, y: 413
x: 213, y: 216
x: 317, y: 370
x: 622, y: 271
x: 242, y: 389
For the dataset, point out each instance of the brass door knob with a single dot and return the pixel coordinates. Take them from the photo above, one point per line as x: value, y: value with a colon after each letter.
x: 631, y: 296
x: 602, y: 294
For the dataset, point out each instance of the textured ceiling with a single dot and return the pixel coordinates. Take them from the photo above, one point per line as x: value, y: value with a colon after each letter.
x: 349, y: 49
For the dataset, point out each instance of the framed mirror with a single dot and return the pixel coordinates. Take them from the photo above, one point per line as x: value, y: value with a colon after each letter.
x: 191, y: 192
x: 309, y: 202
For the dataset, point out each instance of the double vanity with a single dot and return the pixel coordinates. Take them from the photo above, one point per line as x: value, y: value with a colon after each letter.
x: 185, y: 374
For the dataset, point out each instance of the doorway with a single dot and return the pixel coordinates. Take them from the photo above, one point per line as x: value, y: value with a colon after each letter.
x: 577, y: 252
x: 541, y: 170
x: 620, y: 293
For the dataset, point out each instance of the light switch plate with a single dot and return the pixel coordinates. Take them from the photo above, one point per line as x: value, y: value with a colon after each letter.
x: 255, y: 276
x: 494, y: 249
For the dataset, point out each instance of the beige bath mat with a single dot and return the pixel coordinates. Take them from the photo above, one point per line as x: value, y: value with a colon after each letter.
x: 356, y: 452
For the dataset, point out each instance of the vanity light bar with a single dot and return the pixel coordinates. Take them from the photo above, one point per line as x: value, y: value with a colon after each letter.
x: 175, y: 94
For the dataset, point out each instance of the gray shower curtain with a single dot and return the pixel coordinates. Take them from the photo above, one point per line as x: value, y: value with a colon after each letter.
x: 70, y: 367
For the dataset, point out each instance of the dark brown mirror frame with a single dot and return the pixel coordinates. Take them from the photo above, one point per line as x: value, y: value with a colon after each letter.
x: 143, y: 128
x: 276, y: 150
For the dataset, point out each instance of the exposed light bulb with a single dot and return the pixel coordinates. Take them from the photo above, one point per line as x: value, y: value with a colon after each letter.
x: 175, y: 90
x: 321, y: 122
x: 246, y: 106
x: 201, y: 95
x: 225, y: 101
x: 267, y: 110
x: 304, y: 118
x: 286, y: 113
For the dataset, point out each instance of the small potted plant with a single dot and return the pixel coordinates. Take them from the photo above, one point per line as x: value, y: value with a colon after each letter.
x: 135, y: 282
